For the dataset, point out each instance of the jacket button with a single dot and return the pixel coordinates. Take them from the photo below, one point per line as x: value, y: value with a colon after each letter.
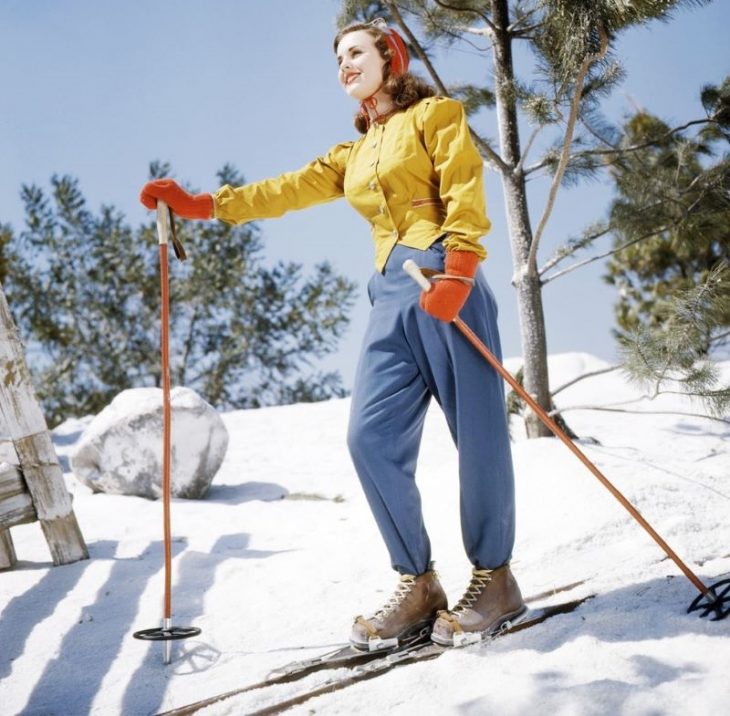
x: 372, y: 186
x: 394, y: 234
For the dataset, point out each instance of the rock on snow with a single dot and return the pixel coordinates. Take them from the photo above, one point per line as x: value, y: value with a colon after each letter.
x: 120, y: 452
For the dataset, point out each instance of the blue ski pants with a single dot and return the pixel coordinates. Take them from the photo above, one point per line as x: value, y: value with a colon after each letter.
x: 407, y: 357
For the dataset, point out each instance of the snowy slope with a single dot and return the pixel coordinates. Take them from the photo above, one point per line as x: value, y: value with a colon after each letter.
x: 283, y: 553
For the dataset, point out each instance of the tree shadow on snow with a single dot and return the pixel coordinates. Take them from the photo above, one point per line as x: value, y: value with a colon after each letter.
x: 688, y: 430
x: 90, y: 647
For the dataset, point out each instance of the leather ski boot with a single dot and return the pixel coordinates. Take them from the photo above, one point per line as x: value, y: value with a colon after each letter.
x: 491, y: 599
x: 408, y: 614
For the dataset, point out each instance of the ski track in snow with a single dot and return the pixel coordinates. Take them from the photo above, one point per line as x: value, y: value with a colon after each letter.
x: 283, y: 552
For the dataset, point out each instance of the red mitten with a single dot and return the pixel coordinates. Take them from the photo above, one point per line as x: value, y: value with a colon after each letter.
x: 186, y: 206
x: 448, y: 295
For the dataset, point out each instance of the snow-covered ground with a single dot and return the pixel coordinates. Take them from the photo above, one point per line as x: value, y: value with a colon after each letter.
x: 274, y: 564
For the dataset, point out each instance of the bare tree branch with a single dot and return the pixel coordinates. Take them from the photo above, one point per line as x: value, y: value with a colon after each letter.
x: 598, y: 257
x: 558, y: 258
x: 612, y: 148
x: 639, y: 412
x: 528, y: 146
x: 636, y: 147
x: 565, y: 154
x: 592, y: 373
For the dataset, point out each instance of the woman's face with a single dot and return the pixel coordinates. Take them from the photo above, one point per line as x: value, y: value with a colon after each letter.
x: 360, y: 63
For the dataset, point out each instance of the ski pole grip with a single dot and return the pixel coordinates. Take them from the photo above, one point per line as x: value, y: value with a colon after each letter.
x: 412, y: 269
x: 163, y: 222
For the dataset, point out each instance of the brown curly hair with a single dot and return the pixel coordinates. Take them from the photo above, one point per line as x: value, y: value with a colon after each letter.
x: 404, y: 90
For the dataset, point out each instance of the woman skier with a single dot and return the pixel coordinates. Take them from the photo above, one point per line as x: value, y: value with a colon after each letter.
x: 417, y: 178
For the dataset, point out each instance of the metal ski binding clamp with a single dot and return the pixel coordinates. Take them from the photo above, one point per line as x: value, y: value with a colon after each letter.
x: 376, y: 643
x: 464, y: 638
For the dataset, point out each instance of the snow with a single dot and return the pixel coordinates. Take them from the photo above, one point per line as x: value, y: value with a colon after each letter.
x: 280, y: 556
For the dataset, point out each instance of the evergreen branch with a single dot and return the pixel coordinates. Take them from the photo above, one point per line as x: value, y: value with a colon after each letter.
x: 594, y: 132
x: 640, y: 412
x: 515, y: 28
x: 643, y: 145
x: 564, y: 157
x: 431, y: 19
x: 598, y: 257
x: 482, y: 16
x: 485, y: 149
x: 613, y: 149
x: 720, y: 337
x: 590, y: 374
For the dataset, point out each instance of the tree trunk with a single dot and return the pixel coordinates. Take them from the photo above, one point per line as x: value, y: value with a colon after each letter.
x: 526, y: 278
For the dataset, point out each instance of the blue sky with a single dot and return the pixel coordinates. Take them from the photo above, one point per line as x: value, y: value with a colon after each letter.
x: 99, y: 89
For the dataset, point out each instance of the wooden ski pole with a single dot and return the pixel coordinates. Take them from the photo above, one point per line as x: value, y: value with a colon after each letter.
x: 167, y: 632
x: 715, y: 602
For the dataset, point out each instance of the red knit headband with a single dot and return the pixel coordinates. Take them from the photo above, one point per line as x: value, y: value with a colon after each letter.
x: 398, y: 51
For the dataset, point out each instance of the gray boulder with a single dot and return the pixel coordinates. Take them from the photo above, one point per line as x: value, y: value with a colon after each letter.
x: 120, y: 452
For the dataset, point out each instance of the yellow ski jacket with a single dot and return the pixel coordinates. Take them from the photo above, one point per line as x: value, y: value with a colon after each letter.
x: 415, y: 177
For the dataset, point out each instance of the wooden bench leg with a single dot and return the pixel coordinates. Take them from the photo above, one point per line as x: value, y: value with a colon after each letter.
x: 7, y: 551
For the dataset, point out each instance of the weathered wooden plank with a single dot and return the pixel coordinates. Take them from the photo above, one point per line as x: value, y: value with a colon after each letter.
x: 43, y: 476
x: 21, y: 410
x: 16, y: 504
x: 65, y: 540
x: 17, y: 511
x: 7, y: 452
x: 7, y: 552
x: 27, y: 428
x: 11, y: 481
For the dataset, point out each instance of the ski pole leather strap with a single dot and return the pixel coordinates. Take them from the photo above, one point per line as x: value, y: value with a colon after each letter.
x: 434, y: 275
x: 176, y: 243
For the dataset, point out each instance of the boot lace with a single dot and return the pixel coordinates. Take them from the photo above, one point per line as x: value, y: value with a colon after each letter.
x: 479, y: 580
x: 402, y: 591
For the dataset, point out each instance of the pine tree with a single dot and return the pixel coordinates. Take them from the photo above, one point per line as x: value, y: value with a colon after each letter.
x: 671, y: 265
x: 671, y: 356
x: 671, y: 220
x: 84, y: 290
